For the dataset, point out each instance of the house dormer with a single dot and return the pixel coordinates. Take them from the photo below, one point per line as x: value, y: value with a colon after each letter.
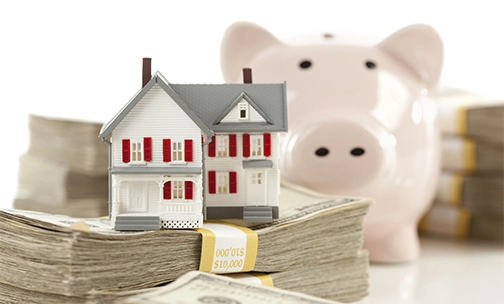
x: 243, y: 109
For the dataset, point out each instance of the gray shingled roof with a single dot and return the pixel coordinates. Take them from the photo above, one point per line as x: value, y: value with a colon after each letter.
x: 212, y: 101
x: 207, y: 104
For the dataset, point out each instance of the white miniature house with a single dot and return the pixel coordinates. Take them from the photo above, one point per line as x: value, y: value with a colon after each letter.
x: 181, y: 153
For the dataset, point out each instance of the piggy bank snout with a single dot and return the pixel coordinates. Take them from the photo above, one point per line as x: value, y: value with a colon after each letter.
x: 336, y: 154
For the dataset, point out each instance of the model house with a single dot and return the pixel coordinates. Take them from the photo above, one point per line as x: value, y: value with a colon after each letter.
x: 182, y: 153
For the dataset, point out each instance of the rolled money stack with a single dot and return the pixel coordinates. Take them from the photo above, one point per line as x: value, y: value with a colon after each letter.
x: 467, y: 114
x: 470, y: 198
x: 65, y: 259
x: 463, y: 154
x: 64, y: 170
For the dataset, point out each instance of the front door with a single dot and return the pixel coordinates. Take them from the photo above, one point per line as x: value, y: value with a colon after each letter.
x: 137, y: 196
x: 257, y: 188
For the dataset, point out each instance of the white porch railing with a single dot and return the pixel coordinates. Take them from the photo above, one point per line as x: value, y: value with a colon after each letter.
x: 181, y: 208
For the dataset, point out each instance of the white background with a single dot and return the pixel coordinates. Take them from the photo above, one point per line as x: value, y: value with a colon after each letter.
x: 82, y: 59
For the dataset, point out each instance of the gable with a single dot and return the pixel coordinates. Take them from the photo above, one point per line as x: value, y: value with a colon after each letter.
x: 157, y: 81
x: 243, y: 109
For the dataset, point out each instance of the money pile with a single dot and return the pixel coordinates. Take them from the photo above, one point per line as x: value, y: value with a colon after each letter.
x: 201, y: 287
x: 64, y: 170
x: 470, y: 197
x: 314, y: 247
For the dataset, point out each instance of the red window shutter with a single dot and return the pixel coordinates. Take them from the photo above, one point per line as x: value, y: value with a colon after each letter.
x: 188, y: 153
x: 188, y: 190
x: 166, y: 150
x: 147, y: 148
x: 267, y: 144
x: 126, y: 150
x: 232, y: 145
x: 211, y: 182
x: 167, y: 191
x: 232, y: 182
x: 211, y: 147
x: 246, y: 145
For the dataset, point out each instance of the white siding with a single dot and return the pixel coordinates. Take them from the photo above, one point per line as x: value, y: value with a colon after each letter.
x: 227, y: 164
x: 156, y: 116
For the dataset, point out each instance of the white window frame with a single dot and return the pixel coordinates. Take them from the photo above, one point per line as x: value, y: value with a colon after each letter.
x: 243, y: 106
x: 177, y: 152
x: 222, y: 145
x: 221, y: 182
x: 177, y: 189
x: 256, y: 146
x: 257, y: 178
x: 136, y: 152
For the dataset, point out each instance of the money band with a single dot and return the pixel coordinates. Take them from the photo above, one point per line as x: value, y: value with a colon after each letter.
x: 463, y: 223
x: 456, y: 189
x: 470, y: 155
x: 80, y: 226
x: 227, y: 248
x: 461, y: 119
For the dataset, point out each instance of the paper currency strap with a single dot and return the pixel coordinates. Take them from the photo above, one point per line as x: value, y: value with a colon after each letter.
x: 227, y: 248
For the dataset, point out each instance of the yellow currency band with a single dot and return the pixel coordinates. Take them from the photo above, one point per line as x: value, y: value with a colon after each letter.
x: 463, y: 223
x: 469, y: 155
x: 80, y: 226
x: 456, y: 190
x: 265, y: 279
x: 208, y: 247
x: 461, y: 120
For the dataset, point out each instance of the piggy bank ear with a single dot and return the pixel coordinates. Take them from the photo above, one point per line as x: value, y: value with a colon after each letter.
x: 241, y: 42
x: 420, y: 48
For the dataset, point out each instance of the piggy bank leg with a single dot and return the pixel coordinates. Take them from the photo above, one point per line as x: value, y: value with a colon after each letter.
x: 402, y: 245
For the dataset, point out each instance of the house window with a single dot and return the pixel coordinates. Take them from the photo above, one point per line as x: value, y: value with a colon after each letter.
x: 222, y: 182
x: 243, y: 108
x: 178, y: 189
x: 222, y: 145
x: 256, y: 145
x: 257, y: 178
x: 177, y: 151
x: 137, y: 151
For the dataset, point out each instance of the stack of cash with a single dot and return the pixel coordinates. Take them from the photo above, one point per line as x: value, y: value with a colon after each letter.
x: 64, y: 170
x: 198, y: 287
x: 314, y: 247
x: 470, y: 198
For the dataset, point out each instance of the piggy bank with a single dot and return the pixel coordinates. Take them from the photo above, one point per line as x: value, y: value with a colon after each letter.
x: 360, y: 121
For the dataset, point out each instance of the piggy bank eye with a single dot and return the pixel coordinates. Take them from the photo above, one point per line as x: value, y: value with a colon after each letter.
x: 357, y: 151
x: 322, y: 152
x: 305, y: 64
x: 370, y: 64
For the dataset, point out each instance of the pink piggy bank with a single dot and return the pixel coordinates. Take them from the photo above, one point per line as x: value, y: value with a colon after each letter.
x: 360, y: 121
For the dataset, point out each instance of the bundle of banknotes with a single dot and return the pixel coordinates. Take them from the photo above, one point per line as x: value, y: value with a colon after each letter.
x: 64, y: 170
x: 198, y: 287
x: 470, y: 200
x: 313, y: 248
